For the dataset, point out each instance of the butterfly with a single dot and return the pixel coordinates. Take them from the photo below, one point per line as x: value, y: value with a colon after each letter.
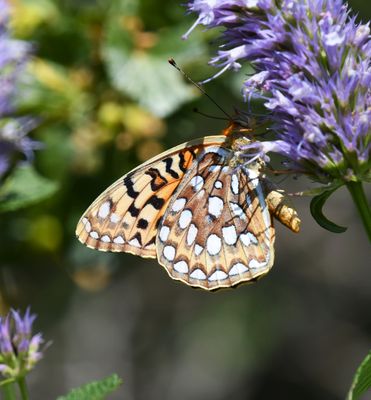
x: 205, y: 214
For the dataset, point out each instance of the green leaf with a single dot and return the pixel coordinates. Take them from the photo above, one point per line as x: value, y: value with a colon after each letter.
x: 321, y: 189
x: 362, y: 379
x: 23, y: 188
x: 316, y: 206
x: 144, y: 74
x: 48, y: 91
x: 96, y: 390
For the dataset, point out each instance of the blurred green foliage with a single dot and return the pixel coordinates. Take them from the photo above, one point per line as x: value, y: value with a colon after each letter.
x: 24, y: 187
x: 101, y: 85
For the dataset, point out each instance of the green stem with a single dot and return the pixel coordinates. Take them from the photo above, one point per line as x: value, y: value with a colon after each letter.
x: 359, y: 197
x: 9, y: 391
x: 23, y: 388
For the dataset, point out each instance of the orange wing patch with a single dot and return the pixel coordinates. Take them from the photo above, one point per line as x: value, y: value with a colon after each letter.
x: 125, y: 217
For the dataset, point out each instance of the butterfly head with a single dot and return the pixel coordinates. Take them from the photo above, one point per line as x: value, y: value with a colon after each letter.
x: 244, y: 151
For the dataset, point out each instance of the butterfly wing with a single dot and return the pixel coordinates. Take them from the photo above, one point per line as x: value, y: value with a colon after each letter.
x: 125, y: 217
x: 217, y: 231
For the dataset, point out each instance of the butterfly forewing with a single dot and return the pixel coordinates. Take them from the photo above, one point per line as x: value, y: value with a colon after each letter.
x: 126, y: 217
x: 217, y: 231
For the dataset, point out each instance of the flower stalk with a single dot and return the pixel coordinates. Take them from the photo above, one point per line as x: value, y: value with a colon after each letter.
x: 23, y: 388
x: 9, y: 392
x: 358, y: 194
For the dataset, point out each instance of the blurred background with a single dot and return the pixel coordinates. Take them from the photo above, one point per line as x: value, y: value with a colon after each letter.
x: 106, y: 100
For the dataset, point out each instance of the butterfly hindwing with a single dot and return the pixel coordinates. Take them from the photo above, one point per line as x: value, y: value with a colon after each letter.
x: 217, y: 230
x: 126, y: 216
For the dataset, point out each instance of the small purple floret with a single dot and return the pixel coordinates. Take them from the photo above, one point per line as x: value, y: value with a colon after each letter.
x: 19, y: 349
x: 14, y: 55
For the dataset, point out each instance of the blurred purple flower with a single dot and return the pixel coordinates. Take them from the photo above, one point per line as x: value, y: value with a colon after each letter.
x: 14, y: 55
x: 312, y: 65
x: 19, y: 350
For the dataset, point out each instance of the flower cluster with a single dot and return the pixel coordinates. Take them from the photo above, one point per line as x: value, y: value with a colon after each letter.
x: 19, y: 350
x: 312, y: 65
x: 14, y: 55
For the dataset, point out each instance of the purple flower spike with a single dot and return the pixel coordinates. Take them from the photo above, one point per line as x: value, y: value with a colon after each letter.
x: 313, y: 69
x: 14, y: 55
x: 19, y: 350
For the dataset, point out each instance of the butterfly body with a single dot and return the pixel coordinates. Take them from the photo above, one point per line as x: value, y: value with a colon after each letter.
x: 198, y: 209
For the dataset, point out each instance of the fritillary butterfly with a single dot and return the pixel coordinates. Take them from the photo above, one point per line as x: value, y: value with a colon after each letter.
x: 198, y: 208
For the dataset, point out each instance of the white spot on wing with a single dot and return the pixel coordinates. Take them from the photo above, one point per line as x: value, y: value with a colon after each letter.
x: 253, y: 177
x: 104, y: 209
x: 164, y: 233
x: 234, y: 184
x: 185, y: 219
x: 198, y: 249
x: 214, y: 168
x: 218, y: 276
x: 197, y: 182
x: 248, y: 238
x: 198, y: 274
x: 230, y: 235
x: 169, y: 252
x: 119, y: 240
x: 191, y: 235
x: 218, y: 184
x: 215, y: 206
x: 238, y: 269
x: 178, y: 204
x: 181, y: 266
x: 87, y: 224
x: 237, y: 211
x: 114, y: 218
x: 134, y: 242
x: 256, y: 264
x: 105, y: 239
x: 94, y: 234
x: 213, y: 245
x: 218, y: 150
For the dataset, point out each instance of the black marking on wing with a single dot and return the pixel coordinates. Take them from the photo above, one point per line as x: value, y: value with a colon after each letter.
x: 169, y: 162
x: 129, y: 184
x: 134, y: 212
x: 142, y: 223
x: 154, y: 173
x: 151, y: 241
x: 181, y: 162
x: 155, y: 202
x: 192, y: 152
x: 158, y: 222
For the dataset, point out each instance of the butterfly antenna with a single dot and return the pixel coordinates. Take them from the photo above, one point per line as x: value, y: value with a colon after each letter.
x: 197, y: 111
x: 199, y: 87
